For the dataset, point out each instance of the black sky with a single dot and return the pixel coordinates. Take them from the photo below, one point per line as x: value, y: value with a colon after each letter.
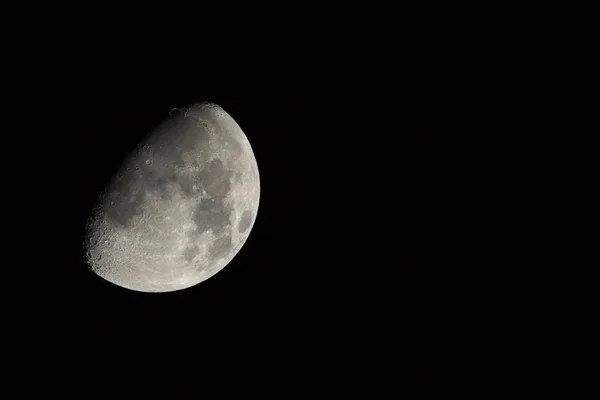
x: 374, y: 254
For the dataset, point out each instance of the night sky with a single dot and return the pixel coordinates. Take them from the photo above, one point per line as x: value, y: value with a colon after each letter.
x: 373, y: 257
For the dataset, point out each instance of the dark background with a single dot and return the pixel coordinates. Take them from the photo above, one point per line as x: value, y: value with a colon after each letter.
x: 386, y: 230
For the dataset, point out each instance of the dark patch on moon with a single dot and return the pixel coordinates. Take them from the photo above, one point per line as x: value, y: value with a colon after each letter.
x: 186, y: 184
x: 128, y: 192
x: 220, y: 247
x: 189, y: 253
x: 162, y: 186
x: 245, y: 221
x: 215, y: 178
x: 127, y: 201
x: 212, y: 214
x: 237, y: 177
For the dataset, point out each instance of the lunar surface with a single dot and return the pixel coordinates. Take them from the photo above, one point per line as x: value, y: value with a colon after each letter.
x: 180, y: 207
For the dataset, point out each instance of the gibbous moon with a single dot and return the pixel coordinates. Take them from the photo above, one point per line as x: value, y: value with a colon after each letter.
x: 180, y: 207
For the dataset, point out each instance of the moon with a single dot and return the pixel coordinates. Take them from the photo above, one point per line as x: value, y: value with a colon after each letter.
x: 180, y: 207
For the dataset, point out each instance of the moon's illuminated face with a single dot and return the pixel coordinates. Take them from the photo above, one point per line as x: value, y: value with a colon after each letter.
x: 181, y: 206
